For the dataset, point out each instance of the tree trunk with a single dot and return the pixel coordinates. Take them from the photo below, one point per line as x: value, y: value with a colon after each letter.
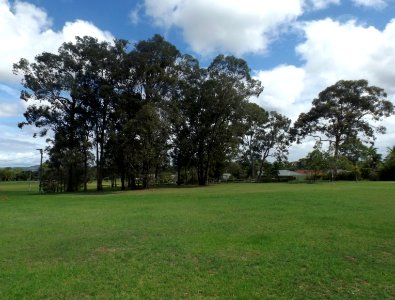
x: 122, y: 169
x: 201, y: 178
x: 99, y: 178
x: 336, y: 158
x: 132, y: 183
x: 70, y: 187
x: 253, y: 169
x: 201, y: 166
x: 145, y: 174
x: 252, y: 162
x: 156, y: 174
x: 85, y: 170
x: 261, y: 169
x: 178, y: 172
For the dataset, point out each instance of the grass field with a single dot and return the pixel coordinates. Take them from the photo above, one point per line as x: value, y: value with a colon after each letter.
x: 245, y: 241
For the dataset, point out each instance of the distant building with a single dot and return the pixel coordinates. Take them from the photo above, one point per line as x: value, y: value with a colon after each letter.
x: 226, y: 176
x: 291, y: 175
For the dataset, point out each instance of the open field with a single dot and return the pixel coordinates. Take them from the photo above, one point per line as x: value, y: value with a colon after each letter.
x: 276, y: 241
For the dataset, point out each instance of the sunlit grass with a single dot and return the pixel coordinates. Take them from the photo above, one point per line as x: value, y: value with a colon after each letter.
x: 246, y: 241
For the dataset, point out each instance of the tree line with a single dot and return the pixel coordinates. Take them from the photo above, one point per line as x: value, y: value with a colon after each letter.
x: 134, y: 111
x: 18, y: 174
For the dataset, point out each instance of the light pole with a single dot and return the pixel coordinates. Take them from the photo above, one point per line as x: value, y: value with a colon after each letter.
x: 40, y: 171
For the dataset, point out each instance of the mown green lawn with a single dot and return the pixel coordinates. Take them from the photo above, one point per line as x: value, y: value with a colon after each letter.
x: 245, y: 241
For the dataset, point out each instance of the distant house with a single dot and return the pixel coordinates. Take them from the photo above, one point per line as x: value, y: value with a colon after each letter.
x: 312, y: 174
x: 226, y: 176
x: 307, y: 172
x: 291, y: 175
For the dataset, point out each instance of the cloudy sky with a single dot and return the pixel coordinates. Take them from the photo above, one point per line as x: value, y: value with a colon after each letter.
x: 295, y: 47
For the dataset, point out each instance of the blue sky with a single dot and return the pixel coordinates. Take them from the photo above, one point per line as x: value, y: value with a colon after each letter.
x: 295, y: 47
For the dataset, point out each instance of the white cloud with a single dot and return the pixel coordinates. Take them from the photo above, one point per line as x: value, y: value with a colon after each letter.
x: 322, y: 4
x: 283, y: 87
x: 333, y: 51
x: 25, y: 31
x: 378, y: 4
x: 134, y: 15
x: 9, y: 109
x: 297, y: 151
x: 226, y: 25
x: 231, y: 26
x: 10, y: 106
x: 17, y: 147
x: 83, y: 28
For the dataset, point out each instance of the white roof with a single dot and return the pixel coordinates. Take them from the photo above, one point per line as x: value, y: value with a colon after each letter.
x: 288, y: 173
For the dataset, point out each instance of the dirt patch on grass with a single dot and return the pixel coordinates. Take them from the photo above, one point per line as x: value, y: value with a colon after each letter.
x: 105, y: 249
x: 3, y: 197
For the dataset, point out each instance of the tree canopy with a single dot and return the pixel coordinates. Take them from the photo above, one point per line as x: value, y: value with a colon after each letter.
x: 136, y: 112
x: 344, y: 112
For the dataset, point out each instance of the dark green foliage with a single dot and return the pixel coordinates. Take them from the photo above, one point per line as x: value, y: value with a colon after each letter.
x: 255, y: 117
x: 266, y: 135
x: 272, y: 139
x: 207, y: 113
x: 50, y: 83
x: 342, y: 114
x: 317, y: 162
x: 17, y: 174
x: 387, y: 171
x: 128, y: 107
x: 134, y: 112
x: 86, y: 94
x: 218, y: 112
